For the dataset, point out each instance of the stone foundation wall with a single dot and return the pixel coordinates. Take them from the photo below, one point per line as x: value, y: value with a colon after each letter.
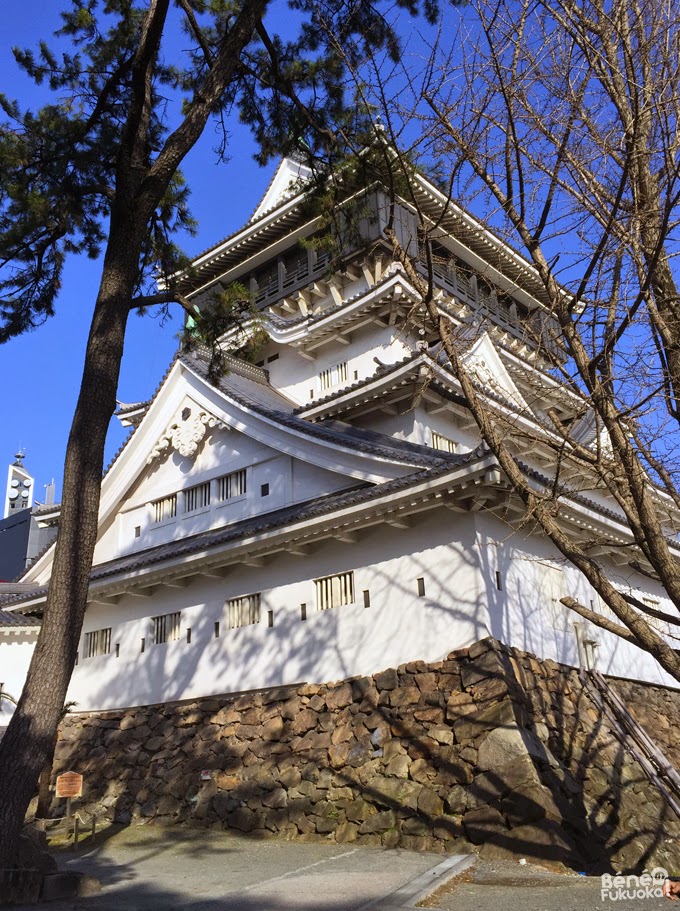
x: 491, y: 748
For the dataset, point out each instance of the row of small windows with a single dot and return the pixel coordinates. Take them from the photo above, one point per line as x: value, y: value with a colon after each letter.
x: 331, y: 591
x: 228, y: 487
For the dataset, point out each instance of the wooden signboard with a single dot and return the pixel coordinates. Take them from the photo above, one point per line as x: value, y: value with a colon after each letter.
x: 70, y: 784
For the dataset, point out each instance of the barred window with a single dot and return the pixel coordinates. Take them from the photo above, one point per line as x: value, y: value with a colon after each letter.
x: 98, y: 642
x: 166, y: 628
x: 243, y: 611
x: 197, y: 497
x: 231, y: 485
x: 334, y: 591
x: 333, y: 376
x: 166, y: 508
x: 443, y: 443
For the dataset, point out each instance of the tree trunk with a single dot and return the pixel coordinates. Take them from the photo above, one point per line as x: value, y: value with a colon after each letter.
x: 44, y: 795
x: 30, y: 735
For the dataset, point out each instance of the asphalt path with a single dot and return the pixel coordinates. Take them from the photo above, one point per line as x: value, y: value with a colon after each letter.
x: 154, y: 869
x: 507, y: 886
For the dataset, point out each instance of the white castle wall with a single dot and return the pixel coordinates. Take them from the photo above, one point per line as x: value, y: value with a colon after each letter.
x: 297, y: 377
x: 16, y: 650
x: 457, y: 555
x: 398, y: 626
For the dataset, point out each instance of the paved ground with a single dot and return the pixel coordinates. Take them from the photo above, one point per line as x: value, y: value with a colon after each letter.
x: 508, y: 886
x: 154, y: 869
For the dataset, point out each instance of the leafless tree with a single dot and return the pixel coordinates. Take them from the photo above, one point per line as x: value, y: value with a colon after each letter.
x: 558, y: 125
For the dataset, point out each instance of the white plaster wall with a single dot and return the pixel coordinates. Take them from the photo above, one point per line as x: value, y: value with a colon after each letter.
x: 416, y: 426
x: 398, y: 626
x: 225, y: 452
x: 16, y: 650
x: 524, y: 614
x: 456, y: 554
x: 297, y: 377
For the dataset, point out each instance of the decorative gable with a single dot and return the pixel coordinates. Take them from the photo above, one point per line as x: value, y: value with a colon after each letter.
x: 486, y: 367
x: 287, y: 180
x: 185, y: 433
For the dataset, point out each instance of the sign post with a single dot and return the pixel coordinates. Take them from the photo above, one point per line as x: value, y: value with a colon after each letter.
x: 69, y: 785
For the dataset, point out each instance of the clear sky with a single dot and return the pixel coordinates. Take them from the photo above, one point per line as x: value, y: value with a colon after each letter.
x: 40, y: 372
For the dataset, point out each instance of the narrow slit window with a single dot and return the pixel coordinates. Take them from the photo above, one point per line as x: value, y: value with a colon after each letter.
x: 97, y: 643
x: 166, y: 628
x: 439, y: 441
x: 421, y: 587
x: 334, y: 591
x: 197, y: 497
x: 217, y: 629
x: 303, y: 612
x: 499, y: 581
x: 231, y: 486
x: 270, y: 618
x: 367, y: 598
x: 188, y: 635
x: 117, y: 649
x: 164, y: 509
x: 333, y: 376
x: 243, y: 611
x: 138, y: 531
x: 143, y: 645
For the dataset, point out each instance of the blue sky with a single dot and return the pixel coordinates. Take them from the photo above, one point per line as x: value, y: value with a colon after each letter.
x: 40, y: 372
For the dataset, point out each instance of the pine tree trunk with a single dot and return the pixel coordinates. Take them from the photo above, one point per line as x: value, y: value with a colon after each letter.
x: 44, y: 795
x: 29, y: 738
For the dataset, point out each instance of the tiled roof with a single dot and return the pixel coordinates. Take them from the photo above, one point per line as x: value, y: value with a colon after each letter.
x: 46, y: 509
x: 12, y: 619
x: 262, y: 398
x: 133, y: 406
x: 257, y: 525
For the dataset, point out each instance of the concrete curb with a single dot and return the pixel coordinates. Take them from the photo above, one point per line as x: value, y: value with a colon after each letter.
x: 419, y: 888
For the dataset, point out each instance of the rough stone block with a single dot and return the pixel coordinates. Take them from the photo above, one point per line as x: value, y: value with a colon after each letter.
x: 379, y: 822
x: 387, y: 680
x: 481, y: 824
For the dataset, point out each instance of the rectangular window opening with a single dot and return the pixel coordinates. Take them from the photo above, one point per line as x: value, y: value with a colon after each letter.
x: 165, y: 508
x: 499, y: 581
x: 117, y: 649
x: 217, y: 629
x: 334, y: 591
x: 143, y: 645
x: 333, y: 376
x: 444, y: 443
x: 166, y: 628
x: 367, y: 598
x: 97, y: 643
x: 138, y: 531
x: 197, y: 497
x: 270, y: 618
x: 243, y: 611
x: 188, y: 635
x: 421, y: 587
x: 264, y: 490
x: 303, y: 612
x: 231, y: 485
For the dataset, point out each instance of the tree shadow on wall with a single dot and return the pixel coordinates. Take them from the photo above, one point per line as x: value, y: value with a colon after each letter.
x: 483, y: 747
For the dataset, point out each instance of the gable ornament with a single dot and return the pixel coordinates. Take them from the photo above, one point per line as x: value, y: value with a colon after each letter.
x: 185, y: 434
